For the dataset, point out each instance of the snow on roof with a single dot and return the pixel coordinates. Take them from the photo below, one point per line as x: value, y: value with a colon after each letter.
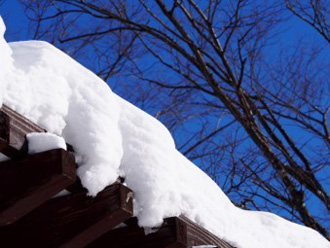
x: 112, y: 138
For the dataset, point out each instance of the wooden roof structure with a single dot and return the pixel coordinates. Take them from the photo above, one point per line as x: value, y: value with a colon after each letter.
x: 30, y: 215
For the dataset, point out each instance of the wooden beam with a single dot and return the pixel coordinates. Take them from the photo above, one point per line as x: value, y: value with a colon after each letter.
x: 13, y: 129
x: 71, y: 221
x: 134, y: 236
x: 176, y: 232
x: 197, y: 235
x: 27, y: 183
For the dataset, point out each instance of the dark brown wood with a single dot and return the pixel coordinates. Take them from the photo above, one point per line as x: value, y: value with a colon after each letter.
x: 13, y: 129
x: 134, y: 236
x: 176, y: 232
x: 197, y: 235
x: 27, y: 183
x: 70, y: 221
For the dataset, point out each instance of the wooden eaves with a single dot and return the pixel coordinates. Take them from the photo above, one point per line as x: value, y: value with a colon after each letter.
x: 30, y: 216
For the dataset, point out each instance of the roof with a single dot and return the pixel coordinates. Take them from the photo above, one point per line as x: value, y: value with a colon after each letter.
x: 30, y: 215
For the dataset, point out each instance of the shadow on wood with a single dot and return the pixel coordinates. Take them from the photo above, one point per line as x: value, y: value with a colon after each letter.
x: 70, y: 221
x: 176, y: 232
x: 134, y: 236
x: 27, y: 183
x: 13, y: 128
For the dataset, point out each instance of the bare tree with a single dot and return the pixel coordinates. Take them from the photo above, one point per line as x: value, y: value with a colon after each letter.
x: 252, y: 116
x: 314, y: 12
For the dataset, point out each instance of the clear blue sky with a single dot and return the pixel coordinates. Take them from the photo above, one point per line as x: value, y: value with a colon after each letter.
x: 13, y: 15
x: 17, y: 25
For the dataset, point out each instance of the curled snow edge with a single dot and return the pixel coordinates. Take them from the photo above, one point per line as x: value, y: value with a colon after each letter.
x: 112, y: 138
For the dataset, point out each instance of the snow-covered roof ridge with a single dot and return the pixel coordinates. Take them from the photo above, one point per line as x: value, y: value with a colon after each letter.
x: 112, y: 138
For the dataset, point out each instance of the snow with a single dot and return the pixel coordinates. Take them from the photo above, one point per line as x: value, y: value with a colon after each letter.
x: 3, y: 157
x: 40, y: 142
x: 112, y: 138
x: 64, y: 192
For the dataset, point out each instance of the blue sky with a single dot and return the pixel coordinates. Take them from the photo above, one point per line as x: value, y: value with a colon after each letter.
x: 17, y: 24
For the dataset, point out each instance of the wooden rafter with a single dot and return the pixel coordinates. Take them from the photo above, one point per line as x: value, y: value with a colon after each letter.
x: 74, y: 220
x: 13, y: 129
x: 27, y: 183
x: 176, y: 232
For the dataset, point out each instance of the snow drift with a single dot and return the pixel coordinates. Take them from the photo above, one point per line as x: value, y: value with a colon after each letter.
x: 112, y: 138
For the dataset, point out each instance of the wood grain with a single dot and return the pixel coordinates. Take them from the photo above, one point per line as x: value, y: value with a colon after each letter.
x: 71, y: 221
x: 27, y: 183
x: 176, y: 232
x: 13, y: 129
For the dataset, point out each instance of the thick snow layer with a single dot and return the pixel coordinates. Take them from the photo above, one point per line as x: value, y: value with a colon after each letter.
x: 40, y: 142
x: 112, y: 138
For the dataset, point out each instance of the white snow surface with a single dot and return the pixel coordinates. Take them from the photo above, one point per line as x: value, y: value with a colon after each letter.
x: 113, y: 138
x: 40, y: 142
